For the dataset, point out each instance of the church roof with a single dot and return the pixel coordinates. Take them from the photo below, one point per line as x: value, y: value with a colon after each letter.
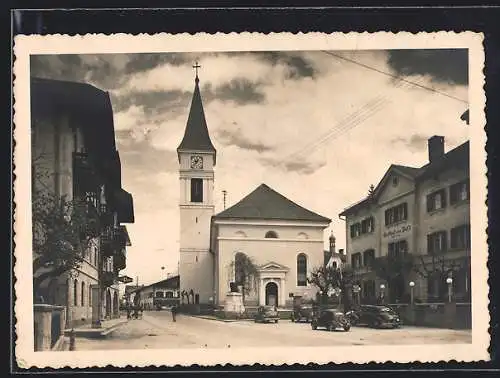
x: 196, y: 135
x: 266, y: 203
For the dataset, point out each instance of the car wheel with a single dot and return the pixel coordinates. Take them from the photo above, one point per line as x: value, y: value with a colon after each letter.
x: 347, y: 327
x: 276, y: 321
x: 314, y: 326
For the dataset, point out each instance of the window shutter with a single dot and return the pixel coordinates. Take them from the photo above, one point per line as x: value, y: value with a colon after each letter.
x: 429, y: 203
x: 405, y: 211
x: 443, y: 198
x: 445, y: 241
x: 430, y: 250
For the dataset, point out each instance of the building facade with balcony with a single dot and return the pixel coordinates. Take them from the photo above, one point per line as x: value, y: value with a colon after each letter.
x: 414, y: 226
x: 74, y: 158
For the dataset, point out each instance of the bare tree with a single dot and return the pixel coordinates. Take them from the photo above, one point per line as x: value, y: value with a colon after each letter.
x: 436, y: 271
x: 326, y: 278
x: 245, y: 273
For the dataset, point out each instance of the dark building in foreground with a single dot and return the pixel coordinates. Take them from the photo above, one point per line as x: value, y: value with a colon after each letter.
x: 414, y: 227
x: 74, y: 156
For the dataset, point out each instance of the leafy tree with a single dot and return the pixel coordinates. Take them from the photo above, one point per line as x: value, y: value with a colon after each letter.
x: 245, y: 273
x: 62, y: 231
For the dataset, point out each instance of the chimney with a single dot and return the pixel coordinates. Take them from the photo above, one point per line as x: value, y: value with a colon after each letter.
x: 436, y: 147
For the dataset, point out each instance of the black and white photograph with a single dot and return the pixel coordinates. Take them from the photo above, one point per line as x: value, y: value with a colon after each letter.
x: 323, y: 196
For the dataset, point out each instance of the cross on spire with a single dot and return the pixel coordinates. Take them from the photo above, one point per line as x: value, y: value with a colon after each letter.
x: 196, y: 66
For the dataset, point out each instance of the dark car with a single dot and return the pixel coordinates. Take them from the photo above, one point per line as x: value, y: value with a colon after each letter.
x: 377, y: 316
x: 302, y: 313
x: 331, y: 319
x: 267, y: 314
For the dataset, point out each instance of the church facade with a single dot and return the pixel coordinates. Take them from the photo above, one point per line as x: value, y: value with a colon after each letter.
x: 278, y: 241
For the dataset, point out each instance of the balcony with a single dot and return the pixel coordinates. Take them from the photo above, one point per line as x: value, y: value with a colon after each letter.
x: 107, y: 278
x: 108, y: 241
x: 120, y: 260
x: 85, y: 178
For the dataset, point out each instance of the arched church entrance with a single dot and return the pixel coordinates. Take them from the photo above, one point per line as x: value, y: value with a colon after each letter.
x: 271, y: 294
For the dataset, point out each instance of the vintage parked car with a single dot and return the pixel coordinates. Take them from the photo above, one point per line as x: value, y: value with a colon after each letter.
x: 267, y: 314
x: 376, y: 316
x: 302, y: 313
x: 331, y: 319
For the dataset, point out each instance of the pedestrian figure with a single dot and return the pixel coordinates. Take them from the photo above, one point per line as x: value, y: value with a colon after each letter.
x: 174, y: 312
x: 128, y: 311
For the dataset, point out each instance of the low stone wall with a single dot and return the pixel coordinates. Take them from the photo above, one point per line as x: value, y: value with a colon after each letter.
x: 49, y: 325
x: 442, y: 315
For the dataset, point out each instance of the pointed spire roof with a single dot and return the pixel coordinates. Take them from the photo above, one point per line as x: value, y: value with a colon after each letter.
x: 266, y: 203
x: 196, y: 135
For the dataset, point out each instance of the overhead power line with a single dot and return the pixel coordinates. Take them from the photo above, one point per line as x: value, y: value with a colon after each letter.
x: 398, y: 77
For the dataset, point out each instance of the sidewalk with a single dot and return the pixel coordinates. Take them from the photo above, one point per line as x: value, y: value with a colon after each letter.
x: 107, y: 326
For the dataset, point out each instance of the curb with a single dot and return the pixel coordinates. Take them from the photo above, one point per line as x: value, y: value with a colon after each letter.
x: 95, y: 332
x: 221, y: 320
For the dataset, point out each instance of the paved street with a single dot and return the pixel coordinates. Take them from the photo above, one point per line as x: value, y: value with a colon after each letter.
x: 157, y: 331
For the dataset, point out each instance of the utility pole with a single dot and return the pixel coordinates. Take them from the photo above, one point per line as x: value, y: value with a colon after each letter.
x: 224, y: 193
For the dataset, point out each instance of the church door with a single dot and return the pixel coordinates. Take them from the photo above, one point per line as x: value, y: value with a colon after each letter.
x: 271, y: 294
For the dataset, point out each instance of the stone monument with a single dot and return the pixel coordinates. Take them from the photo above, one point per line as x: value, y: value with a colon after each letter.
x: 233, y: 305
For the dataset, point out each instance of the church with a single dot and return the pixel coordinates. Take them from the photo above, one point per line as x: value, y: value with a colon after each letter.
x: 279, y: 241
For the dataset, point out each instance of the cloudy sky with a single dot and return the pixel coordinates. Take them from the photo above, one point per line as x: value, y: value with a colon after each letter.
x: 318, y: 127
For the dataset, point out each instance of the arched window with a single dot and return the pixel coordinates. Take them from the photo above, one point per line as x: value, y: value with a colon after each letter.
x: 82, y: 295
x: 271, y: 235
x: 302, y: 235
x: 75, y: 293
x: 301, y: 270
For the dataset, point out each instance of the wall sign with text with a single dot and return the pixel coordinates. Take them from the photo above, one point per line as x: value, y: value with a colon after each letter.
x: 397, y: 231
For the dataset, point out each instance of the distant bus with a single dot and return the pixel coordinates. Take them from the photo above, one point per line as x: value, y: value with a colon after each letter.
x: 160, y: 300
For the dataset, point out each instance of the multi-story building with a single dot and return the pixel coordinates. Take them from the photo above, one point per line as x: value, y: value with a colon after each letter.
x: 414, y: 226
x: 74, y: 159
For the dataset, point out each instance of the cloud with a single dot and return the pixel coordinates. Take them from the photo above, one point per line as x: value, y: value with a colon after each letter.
x: 442, y: 65
x: 236, y: 138
x: 239, y: 90
x: 299, y: 66
x: 415, y: 142
x: 298, y: 166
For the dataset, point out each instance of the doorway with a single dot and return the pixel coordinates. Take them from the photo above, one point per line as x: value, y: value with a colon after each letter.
x: 108, y: 304
x: 272, y: 294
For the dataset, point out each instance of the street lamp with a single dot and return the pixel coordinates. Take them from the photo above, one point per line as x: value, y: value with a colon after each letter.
x: 382, y: 289
x: 449, y: 281
x: 412, y: 285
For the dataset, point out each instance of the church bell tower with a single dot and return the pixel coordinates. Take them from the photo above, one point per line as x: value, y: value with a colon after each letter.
x: 197, y: 158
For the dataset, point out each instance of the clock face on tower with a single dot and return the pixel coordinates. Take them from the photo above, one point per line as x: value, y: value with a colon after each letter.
x: 196, y: 162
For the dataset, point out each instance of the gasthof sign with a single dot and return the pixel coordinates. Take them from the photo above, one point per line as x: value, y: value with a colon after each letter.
x: 397, y: 231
